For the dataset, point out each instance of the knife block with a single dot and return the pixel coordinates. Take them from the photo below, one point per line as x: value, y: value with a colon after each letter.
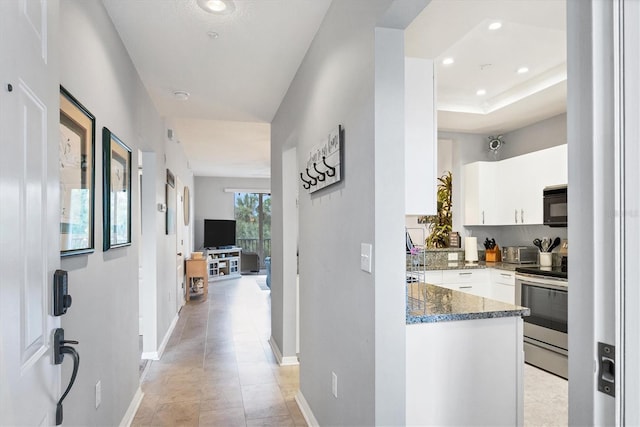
x: 493, y: 255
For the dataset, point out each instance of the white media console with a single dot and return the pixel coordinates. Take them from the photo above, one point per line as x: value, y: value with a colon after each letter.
x: 223, y: 263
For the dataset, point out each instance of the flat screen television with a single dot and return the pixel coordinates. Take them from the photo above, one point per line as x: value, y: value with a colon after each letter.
x: 219, y: 233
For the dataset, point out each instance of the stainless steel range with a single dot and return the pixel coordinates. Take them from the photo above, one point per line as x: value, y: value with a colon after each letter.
x: 545, y: 292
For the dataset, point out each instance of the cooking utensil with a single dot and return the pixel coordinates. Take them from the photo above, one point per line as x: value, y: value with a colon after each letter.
x: 546, y: 242
x: 555, y: 244
x: 538, y: 244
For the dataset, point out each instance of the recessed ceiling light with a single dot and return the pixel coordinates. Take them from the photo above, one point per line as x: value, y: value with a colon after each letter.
x: 481, y: 92
x: 447, y: 61
x: 181, y: 95
x: 221, y: 7
x: 523, y: 70
x: 213, y: 35
x: 495, y: 25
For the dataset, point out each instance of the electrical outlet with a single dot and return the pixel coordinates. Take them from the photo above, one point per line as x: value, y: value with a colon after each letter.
x: 98, y: 393
x: 334, y: 384
x: 453, y: 256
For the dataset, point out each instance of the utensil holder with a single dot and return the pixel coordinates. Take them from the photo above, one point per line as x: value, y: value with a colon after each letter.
x: 546, y: 259
x: 493, y: 255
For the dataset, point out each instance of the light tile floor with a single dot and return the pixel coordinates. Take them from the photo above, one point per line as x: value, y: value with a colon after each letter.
x: 218, y: 368
x: 545, y: 399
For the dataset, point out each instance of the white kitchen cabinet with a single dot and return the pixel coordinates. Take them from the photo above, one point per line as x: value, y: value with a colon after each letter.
x: 471, y: 281
x: 480, y: 193
x: 503, y: 285
x: 433, y: 277
x: 421, y: 147
x: 509, y: 192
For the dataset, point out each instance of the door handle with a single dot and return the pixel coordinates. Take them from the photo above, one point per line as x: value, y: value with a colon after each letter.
x: 179, y: 254
x: 59, y: 350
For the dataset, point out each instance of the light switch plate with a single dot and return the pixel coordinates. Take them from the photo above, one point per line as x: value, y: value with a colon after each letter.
x: 366, y: 250
x: 453, y: 256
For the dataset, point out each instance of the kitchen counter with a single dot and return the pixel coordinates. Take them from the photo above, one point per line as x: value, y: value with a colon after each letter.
x: 461, y: 265
x: 428, y: 303
x: 470, y: 371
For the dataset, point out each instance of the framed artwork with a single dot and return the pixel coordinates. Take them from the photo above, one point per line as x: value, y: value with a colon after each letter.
x: 77, y: 174
x: 116, y: 199
x: 171, y: 201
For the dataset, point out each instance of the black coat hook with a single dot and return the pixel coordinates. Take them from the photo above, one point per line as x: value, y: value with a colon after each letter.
x: 322, y: 176
x: 330, y: 168
x: 307, y: 184
x: 314, y: 180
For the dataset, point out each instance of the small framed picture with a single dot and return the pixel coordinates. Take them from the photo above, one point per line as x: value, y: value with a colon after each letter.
x: 77, y: 173
x: 116, y: 165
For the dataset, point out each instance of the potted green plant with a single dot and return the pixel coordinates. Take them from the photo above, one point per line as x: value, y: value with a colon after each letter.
x: 440, y: 225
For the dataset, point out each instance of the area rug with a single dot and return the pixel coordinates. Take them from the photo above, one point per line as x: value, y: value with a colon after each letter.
x: 261, y: 281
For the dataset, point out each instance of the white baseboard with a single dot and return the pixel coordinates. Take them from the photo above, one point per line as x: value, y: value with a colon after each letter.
x: 133, y: 408
x: 282, y: 361
x: 306, y: 410
x: 156, y: 355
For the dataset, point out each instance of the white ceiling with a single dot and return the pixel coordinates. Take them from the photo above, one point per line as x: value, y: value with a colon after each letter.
x: 532, y: 34
x: 237, y: 81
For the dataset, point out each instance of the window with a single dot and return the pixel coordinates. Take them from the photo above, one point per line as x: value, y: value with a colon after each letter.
x: 253, y: 223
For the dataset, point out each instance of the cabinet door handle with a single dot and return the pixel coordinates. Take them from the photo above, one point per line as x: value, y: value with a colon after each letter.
x: 505, y: 274
x: 522, y: 216
x: 482, y: 217
x: 465, y: 274
x: 465, y: 287
x: 516, y: 215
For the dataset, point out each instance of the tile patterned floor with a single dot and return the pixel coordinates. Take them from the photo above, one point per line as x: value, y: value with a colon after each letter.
x: 545, y: 399
x: 218, y: 368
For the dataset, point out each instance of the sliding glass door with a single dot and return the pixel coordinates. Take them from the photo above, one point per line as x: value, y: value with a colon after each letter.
x: 253, y: 223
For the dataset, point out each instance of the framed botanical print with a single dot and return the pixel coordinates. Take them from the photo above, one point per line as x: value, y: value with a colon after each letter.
x: 77, y: 173
x: 116, y: 166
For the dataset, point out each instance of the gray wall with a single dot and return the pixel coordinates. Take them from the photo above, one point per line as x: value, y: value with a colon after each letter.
x: 97, y: 70
x: 211, y: 201
x: 351, y: 322
x: 469, y: 148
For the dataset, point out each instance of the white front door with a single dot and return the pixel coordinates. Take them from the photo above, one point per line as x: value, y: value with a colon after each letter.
x: 29, y: 215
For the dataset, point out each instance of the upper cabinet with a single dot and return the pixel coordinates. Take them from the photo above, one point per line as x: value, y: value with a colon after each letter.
x: 421, y: 148
x: 480, y: 193
x: 515, y: 185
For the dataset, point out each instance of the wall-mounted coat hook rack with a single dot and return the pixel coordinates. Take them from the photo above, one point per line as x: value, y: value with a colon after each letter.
x: 330, y: 168
x: 323, y: 165
x: 321, y: 175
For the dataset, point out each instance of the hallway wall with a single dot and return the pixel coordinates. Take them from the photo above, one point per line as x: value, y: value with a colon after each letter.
x: 97, y: 70
x: 352, y: 323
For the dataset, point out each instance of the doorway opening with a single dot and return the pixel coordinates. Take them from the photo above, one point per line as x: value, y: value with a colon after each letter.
x: 253, y: 224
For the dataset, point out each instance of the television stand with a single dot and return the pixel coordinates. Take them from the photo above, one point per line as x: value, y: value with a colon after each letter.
x: 223, y: 263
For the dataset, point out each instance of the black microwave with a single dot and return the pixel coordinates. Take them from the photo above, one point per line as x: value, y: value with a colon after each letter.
x: 555, y: 206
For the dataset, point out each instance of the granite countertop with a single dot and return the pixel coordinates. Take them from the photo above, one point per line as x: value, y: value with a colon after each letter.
x: 461, y: 265
x: 428, y: 303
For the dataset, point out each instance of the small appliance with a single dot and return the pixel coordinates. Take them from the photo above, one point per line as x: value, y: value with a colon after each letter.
x: 555, y: 206
x: 520, y: 254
